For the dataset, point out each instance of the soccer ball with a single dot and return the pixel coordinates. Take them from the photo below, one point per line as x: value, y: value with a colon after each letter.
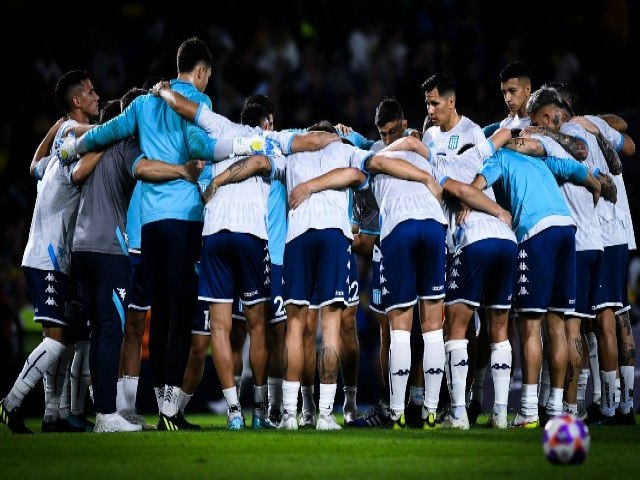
x: 566, y: 440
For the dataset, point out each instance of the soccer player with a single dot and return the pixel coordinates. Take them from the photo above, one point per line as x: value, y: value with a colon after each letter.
x: 545, y: 232
x: 449, y: 130
x: 46, y: 264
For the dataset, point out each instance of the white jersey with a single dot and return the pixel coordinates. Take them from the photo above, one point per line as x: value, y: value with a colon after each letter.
x: 376, y: 147
x: 448, y: 143
x: 219, y: 126
x: 238, y: 207
x: 515, y: 122
x: 479, y: 225
x: 326, y: 209
x: 401, y: 200
x: 612, y: 216
x: 578, y: 198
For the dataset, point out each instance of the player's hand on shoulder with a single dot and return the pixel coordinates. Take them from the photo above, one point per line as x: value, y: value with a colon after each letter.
x: 343, y: 129
x: 298, y: 195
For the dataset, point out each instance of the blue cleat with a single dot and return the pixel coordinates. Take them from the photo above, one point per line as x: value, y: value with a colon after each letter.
x: 235, y: 422
x: 261, y: 423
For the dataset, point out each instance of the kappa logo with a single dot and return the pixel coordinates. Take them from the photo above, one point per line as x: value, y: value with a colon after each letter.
x: 457, y: 262
x: 266, y: 258
x: 523, y: 266
x: 267, y: 281
x: 434, y: 371
x: 349, y: 249
x: 501, y: 366
x: 462, y: 363
x: 349, y: 264
x: 452, y: 285
x: 50, y: 277
x: 266, y: 270
x: 523, y: 279
x: 384, y: 291
x: 523, y: 291
x: 522, y: 254
x: 454, y: 273
x: 401, y: 373
x: 383, y: 279
x: 381, y: 267
x: 122, y: 293
x: 50, y: 289
x: 51, y: 302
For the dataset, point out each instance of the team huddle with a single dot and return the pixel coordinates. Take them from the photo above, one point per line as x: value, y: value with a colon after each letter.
x: 226, y: 230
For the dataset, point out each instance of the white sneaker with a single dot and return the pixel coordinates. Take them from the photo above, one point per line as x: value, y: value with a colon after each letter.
x: 307, y: 419
x: 132, y: 417
x: 327, y: 422
x: 114, y: 422
x: 499, y: 420
x: 461, y: 423
x: 288, y: 422
x: 525, y: 421
x: 350, y: 416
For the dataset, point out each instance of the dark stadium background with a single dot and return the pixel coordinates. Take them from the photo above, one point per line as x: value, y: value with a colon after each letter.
x: 593, y: 45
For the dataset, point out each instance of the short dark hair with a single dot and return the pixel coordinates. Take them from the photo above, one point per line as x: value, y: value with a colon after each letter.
x: 388, y: 110
x: 111, y: 109
x: 253, y: 114
x: 543, y: 97
x: 66, y: 86
x: 442, y: 81
x: 565, y: 92
x: 515, y: 69
x: 192, y: 52
x: 130, y: 96
x: 322, y: 126
x: 263, y: 100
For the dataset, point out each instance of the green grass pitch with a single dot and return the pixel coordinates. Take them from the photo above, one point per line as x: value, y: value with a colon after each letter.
x: 216, y: 453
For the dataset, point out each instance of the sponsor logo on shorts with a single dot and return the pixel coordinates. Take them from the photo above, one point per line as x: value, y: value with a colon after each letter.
x: 251, y: 294
x: 437, y: 288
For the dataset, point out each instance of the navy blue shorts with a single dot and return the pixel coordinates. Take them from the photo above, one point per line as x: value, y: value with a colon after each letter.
x: 588, y: 283
x: 201, y: 325
x: 375, y: 302
x: 277, y: 312
x: 137, y: 300
x: 51, y: 296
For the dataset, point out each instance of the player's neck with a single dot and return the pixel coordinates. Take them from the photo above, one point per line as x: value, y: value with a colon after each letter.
x: 79, y: 117
x: 452, y: 122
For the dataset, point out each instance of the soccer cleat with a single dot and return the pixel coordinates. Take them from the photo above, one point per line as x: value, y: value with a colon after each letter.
x: 288, y: 422
x: 61, y: 425
x: 525, y: 421
x: 350, y: 416
x: 327, y: 422
x: 114, y: 422
x: 430, y: 422
x: 376, y: 416
x: 13, y: 419
x: 473, y: 411
x: 623, y: 419
x: 593, y: 409
x: 399, y: 424
x: 597, y: 418
x: 307, y: 419
x: 275, y: 416
x: 461, y: 423
x: 413, y: 415
x: 186, y: 424
x: 262, y: 423
x: 133, y: 417
x: 499, y: 419
x: 235, y: 422
x: 80, y: 421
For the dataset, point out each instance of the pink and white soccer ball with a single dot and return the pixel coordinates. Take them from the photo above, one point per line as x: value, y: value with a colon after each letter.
x: 566, y: 440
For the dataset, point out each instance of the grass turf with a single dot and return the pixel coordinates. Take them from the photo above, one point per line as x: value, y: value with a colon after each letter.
x: 216, y: 453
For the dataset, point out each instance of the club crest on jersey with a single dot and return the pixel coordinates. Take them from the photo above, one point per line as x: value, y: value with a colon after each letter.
x: 453, y: 142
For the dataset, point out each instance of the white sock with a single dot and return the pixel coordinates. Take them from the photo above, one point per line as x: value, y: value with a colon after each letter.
x: 545, y: 382
x: 608, y: 391
x: 237, y: 379
x: 626, y: 388
x: 570, y: 408
x: 594, y: 367
x: 416, y: 395
x: 130, y: 390
x: 259, y: 400
x: 308, y: 403
x: 54, y: 382
x: 170, y: 404
x: 231, y: 396
x: 80, y: 376
x: 274, y: 388
x: 91, y: 394
x: 433, y: 366
x: 554, y: 403
x: 183, y: 400
x: 65, y: 396
x: 477, y: 386
x: 617, y: 394
x: 121, y: 402
x: 529, y: 400
x: 159, y: 391
x: 399, y: 368
x: 290, y: 396
x: 350, y: 393
x: 327, y: 397
x: 501, y: 372
x: 583, y: 379
x: 456, y: 365
x: 34, y: 369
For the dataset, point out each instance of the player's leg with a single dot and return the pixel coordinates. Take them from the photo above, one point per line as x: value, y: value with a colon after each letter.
x: 626, y: 348
x: 349, y: 346
x: 238, y: 339
x: 479, y: 372
x: 415, y: 394
x: 275, y: 345
x: 308, y: 412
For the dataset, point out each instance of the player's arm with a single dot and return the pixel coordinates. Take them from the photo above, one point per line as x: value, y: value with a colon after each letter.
x: 311, y: 141
x: 409, y: 144
x: 608, y: 151
x: 490, y: 129
x: 85, y: 166
x: 241, y: 170
x: 526, y: 146
x: 472, y: 196
x: 179, y: 103
x: 45, y: 147
x: 574, y: 172
x: 574, y: 146
x: 335, y: 179
x: 158, y: 171
x: 616, y: 122
x: 386, y: 163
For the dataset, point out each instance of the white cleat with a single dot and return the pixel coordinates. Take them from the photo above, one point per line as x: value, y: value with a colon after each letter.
x: 114, y: 422
x: 499, y: 420
x: 288, y: 422
x: 461, y: 423
x: 307, y: 419
x: 327, y: 422
x: 350, y: 416
x: 136, y: 419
